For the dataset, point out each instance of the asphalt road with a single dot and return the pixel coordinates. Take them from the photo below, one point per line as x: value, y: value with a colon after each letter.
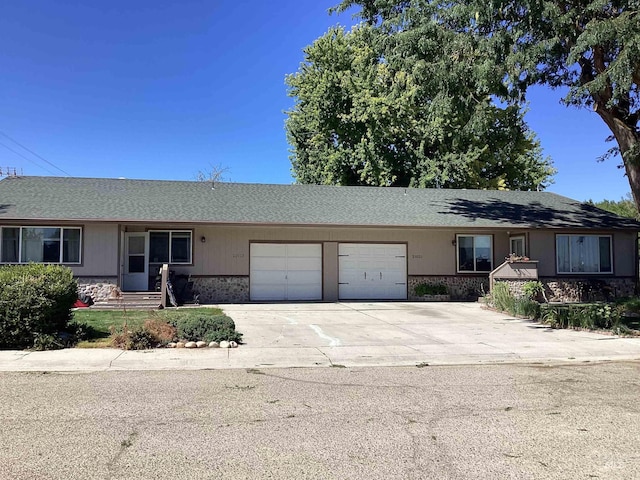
x: 446, y: 422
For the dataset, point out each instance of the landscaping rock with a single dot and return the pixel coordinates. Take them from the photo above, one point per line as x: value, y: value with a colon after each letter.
x: 233, y: 344
x: 180, y: 345
x: 172, y: 345
x: 224, y: 344
x: 190, y: 345
x: 201, y: 344
x: 214, y: 345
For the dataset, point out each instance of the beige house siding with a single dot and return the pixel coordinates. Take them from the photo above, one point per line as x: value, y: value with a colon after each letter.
x: 99, y: 251
x: 543, y: 248
x: 430, y: 251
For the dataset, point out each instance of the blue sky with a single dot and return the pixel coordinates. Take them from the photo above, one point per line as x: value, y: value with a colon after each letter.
x: 162, y: 90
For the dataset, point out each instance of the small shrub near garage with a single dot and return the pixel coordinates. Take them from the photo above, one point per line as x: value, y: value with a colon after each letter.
x: 209, y: 328
x: 423, y: 289
x: 35, y: 306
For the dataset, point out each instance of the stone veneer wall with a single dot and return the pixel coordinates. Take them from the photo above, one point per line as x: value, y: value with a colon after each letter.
x: 224, y: 289
x: 460, y: 287
x: 99, y: 289
x: 561, y: 289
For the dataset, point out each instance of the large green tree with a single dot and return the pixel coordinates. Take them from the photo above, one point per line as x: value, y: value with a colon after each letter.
x: 624, y: 207
x: 591, y: 47
x: 375, y: 109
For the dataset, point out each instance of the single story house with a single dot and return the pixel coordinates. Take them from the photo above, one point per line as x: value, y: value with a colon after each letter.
x: 252, y: 242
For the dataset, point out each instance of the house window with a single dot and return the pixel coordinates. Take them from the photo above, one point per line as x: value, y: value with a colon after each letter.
x: 170, y: 246
x: 475, y: 253
x: 584, y: 254
x: 40, y: 244
x: 517, y: 246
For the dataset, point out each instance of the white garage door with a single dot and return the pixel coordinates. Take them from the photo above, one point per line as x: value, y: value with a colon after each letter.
x: 285, y: 271
x: 372, y: 271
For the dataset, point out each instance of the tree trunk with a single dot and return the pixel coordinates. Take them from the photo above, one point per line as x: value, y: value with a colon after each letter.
x: 629, y: 144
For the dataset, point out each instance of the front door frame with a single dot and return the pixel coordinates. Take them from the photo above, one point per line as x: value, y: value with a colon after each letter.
x: 137, y: 281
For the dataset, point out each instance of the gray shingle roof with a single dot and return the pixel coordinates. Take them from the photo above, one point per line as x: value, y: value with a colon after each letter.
x: 149, y: 201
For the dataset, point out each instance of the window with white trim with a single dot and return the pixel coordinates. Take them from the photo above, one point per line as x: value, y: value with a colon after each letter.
x: 517, y: 246
x: 170, y: 246
x: 40, y: 244
x: 475, y: 253
x: 584, y: 254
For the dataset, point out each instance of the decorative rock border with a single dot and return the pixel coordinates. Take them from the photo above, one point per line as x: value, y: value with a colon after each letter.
x: 201, y: 344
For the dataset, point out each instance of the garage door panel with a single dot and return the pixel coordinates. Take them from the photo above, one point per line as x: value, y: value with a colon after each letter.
x: 372, y: 271
x: 303, y: 263
x: 268, y: 249
x: 286, y: 272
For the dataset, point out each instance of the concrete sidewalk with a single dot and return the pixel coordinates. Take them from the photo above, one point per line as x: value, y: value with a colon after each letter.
x: 354, y: 335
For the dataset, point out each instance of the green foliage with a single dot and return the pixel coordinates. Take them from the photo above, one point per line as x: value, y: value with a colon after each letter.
x: 374, y: 107
x: 525, y: 307
x: 502, y: 298
x: 532, y: 289
x: 632, y: 305
x: 625, y: 207
x: 422, y: 289
x: 142, y: 340
x: 589, y: 48
x: 209, y: 328
x: 35, y: 301
x: 590, y: 316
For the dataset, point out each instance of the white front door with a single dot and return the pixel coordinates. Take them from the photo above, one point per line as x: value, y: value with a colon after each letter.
x: 281, y: 271
x: 136, y: 262
x: 372, y: 271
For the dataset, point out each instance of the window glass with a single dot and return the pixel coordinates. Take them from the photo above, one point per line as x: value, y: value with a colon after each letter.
x: 170, y: 247
x: 474, y: 253
x: 583, y: 254
x: 605, y: 254
x: 159, y: 247
x: 10, y: 244
x: 71, y: 245
x: 465, y: 254
x: 483, y: 253
x: 517, y: 246
x: 40, y: 245
x: 180, y: 247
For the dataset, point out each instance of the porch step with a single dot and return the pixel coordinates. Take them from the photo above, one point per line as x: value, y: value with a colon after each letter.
x: 131, y: 300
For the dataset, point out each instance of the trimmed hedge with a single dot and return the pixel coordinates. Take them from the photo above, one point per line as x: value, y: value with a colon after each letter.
x: 35, y: 301
x: 209, y: 328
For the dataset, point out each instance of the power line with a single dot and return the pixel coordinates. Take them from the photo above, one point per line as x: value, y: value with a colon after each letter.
x: 34, y: 153
x: 26, y: 158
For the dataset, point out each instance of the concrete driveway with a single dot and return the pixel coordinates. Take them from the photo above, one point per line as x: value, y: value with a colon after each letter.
x: 352, y: 335
x: 403, y: 333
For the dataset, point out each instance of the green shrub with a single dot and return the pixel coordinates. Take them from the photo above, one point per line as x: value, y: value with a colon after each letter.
x: 525, y: 307
x: 502, y: 298
x: 35, y: 299
x: 423, y: 289
x: 594, y: 315
x: 142, y: 340
x: 532, y: 289
x: 209, y: 328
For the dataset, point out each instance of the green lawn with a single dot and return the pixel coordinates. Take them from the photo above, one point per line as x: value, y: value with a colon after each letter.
x: 102, y: 321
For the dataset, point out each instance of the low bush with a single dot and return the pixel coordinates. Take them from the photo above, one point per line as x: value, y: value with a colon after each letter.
x: 501, y: 297
x: 533, y: 289
x: 209, y: 328
x: 160, y: 330
x: 423, y: 289
x: 590, y: 316
x: 525, y: 307
x: 35, y: 305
